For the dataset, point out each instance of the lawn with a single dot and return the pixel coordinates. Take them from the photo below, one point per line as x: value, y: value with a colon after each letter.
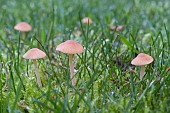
x: 107, y: 82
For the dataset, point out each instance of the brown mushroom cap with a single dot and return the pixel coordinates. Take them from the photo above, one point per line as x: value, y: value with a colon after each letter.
x: 34, y: 53
x: 23, y: 26
x: 142, y: 59
x: 70, y: 47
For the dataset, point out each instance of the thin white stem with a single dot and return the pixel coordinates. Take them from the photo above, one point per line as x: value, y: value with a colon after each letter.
x: 23, y: 35
x: 142, y: 71
x: 72, y: 77
x: 37, y: 73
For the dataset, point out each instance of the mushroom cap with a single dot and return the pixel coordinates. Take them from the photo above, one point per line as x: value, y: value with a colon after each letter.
x: 34, y: 53
x: 87, y: 20
x: 23, y: 26
x: 142, y: 59
x: 118, y: 28
x: 70, y: 47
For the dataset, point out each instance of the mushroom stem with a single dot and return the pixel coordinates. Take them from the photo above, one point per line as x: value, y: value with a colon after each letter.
x: 23, y: 35
x: 72, y: 77
x: 142, y: 71
x: 37, y: 73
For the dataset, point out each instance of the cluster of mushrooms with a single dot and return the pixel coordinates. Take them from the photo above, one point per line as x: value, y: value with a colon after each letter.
x: 71, y: 47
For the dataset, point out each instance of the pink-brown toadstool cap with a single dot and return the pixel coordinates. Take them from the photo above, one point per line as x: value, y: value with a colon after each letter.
x: 34, y: 53
x: 142, y: 59
x: 70, y: 47
x: 23, y: 26
x: 87, y: 20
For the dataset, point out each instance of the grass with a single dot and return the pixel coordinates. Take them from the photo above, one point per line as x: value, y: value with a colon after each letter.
x: 106, y: 81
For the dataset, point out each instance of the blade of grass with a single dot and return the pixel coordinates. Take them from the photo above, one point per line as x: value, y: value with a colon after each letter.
x: 126, y: 42
x: 18, y: 62
x: 16, y: 97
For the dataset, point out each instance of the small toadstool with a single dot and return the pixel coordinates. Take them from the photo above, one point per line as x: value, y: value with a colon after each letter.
x: 35, y: 54
x: 142, y: 59
x: 118, y: 28
x: 87, y: 20
x: 70, y: 47
x: 23, y: 27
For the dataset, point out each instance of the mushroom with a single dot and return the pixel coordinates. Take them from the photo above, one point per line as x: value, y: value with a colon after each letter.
x: 87, y: 20
x: 70, y: 47
x: 118, y: 28
x: 35, y: 54
x: 141, y: 60
x: 23, y: 27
